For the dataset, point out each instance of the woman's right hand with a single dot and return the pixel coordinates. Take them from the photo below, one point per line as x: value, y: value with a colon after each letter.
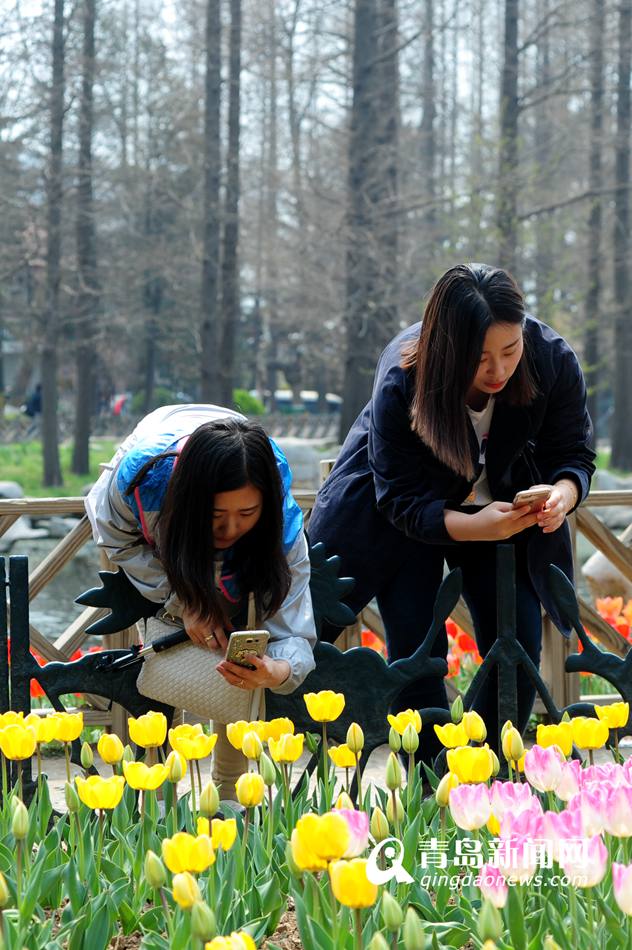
x: 495, y: 522
x: 204, y: 633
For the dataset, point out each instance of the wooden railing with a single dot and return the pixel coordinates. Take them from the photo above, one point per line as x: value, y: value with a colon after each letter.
x: 564, y: 687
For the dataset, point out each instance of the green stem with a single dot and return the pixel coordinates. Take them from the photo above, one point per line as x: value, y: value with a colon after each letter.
x: 590, y: 909
x: 357, y: 922
x: 100, y: 845
x: 193, y: 802
x: 39, y: 771
x: 333, y: 911
x: 199, y: 775
x: 20, y: 779
x: 67, y: 754
x: 442, y: 824
x: 5, y: 784
x: 18, y: 874
x: 347, y: 780
x: 269, y: 845
x: 168, y: 915
x: 359, y: 778
x: 510, y: 770
x: 174, y: 807
x: 411, y: 777
x: 591, y: 757
x: 395, y: 813
x: 325, y: 759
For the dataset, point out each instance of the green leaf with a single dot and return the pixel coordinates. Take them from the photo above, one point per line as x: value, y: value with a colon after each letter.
x: 77, y: 892
x: 31, y: 895
x: 77, y: 930
x: 129, y: 919
x: 101, y: 927
x: 515, y: 919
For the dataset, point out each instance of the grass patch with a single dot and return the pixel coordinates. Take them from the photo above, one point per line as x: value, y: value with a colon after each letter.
x: 22, y: 463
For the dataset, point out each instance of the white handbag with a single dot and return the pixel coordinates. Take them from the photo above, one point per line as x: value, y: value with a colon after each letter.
x: 185, y: 677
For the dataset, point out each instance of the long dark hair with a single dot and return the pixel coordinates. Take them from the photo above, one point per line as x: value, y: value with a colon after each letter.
x: 218, y: 457
x: 462, y: 305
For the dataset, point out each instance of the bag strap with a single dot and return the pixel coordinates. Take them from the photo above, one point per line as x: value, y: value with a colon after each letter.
x: 252, y: 613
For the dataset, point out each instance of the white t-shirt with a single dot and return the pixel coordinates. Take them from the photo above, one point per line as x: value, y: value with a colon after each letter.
x: 481, y: 422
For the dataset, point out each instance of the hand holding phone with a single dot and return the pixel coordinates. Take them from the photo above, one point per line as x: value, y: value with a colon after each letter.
x: 244, y: 642
x: 535, y: 497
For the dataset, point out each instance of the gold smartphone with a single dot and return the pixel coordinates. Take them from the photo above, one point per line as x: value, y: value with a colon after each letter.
x: 244, y: 642
x: 535, y: 497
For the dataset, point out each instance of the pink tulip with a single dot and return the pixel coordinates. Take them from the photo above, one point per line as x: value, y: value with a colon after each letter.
x: 627, y: 771
x: 585, y: 861
x: 606, y: 772
x: 622, y: 886
x: 526, y: 822
x: 493, y: 885
x: 516, y: 857
x: 543, y: 767
x: 510, y: 797
x: 591, y: 804
x: 470, y: 806
x: 617, y: 813
x: 571, y: 780
x: 558, y: 827
x: 358, y: 823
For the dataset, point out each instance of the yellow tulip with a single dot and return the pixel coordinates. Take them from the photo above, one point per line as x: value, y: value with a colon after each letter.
x: 145, y: 777
x: 589, y: 733
x: 44, y: 727
x: 236, y: 941
x: 185, y: 852
x: 110, y: 748
x: 251, y: 745
x: 350, y: 883
x: 493, y: 825
x: 223, y: 833
x: 616, y: 714
x: 235, y: 732
x: 68, y: 726
x: 11, y: 718
x: 445, y: 786
x: 342, y: 757
x: 474, y: 726
x: 278, y: 727
x: 319, y: 838
x: 176, y: 765
x: 185, y: 890
x: 355, y: 738
x: 17, y: 741
x: 250, y: 789
x: 471, y: 763
x: 512, y: 744
x: 452, y: 736
x: 148, y: 731
x: 560, y: 735
x: 405, y: 718
x: 287, y: 748
x: 343, y: 801
x: 103, y: 793
x: 195, y: 747
x: 324, y: 706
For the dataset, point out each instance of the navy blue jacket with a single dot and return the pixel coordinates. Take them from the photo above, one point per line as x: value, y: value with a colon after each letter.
x: 386, y: 478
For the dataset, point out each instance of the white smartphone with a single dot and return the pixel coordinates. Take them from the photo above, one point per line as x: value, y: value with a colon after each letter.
x: 244, y: 642
x: 536, y: 497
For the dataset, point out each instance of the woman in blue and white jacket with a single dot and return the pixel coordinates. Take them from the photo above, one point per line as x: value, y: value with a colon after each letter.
x: 196, y: 509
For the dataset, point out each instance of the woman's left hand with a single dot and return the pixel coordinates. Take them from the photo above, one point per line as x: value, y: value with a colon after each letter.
x: 561, y: 500
x: 267, y: 672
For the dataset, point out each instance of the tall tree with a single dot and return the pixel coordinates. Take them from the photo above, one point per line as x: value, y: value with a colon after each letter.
x: 52, y: 320
x: 210, y: 337
x: 507, y: 202
x: 592, y: 321
x: 621, y: 441
x: 88, y: 294
x: 230, y: 257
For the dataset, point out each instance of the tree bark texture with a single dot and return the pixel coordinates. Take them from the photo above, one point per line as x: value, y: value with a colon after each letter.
x: 209, y: 310
x: 89, y: 290
x: 507, y: 207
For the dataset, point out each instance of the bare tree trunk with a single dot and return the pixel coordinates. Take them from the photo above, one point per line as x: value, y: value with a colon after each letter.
x: 507, y: 207
x: 360, y: 288
x: 271, y: 217
x: 543, y: 135
x: 209, y: 365
x: 50, y: 439
x: 428, y: 145
x: 621, y: 441
x: 230, y: 260
x: 595, y: 178
x: 88, y: 298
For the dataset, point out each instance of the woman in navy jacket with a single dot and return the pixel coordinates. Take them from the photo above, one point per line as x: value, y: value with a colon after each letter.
x: 474, y: 404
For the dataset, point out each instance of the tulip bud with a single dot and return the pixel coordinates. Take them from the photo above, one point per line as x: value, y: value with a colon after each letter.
x: 251, y: 745
x: 508, y: 725
x: 312, y: 741
x: 394, y: 740
x: 292, y: 866
x: 4, y: 891
x: 490, y: 924
x: 203, y: 924
x: 495, y: 762
x: 397, y: 813
x: 516, y: 745
x: 392, y: 914
x: 413, y: 932
x: 20, y: 821
x: 177, y: 765
x: 209, y: 800
x: 445, y: 786
x: 87, y: 756
x: 378, y: 942
x: 128, y: 754
x: 410, y: 739
x: 267, y: 769
x: 549, y: 942
x: 355, y: 738
x: 379, y: 825
x: 393, y: 776
x: 456, y: 710
x: 565, y: 718
x: 343, y: 801
x: 155, y: 873
x: 71, y: 797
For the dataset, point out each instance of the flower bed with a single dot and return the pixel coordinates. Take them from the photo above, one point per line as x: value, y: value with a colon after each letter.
x: 540, y: 859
